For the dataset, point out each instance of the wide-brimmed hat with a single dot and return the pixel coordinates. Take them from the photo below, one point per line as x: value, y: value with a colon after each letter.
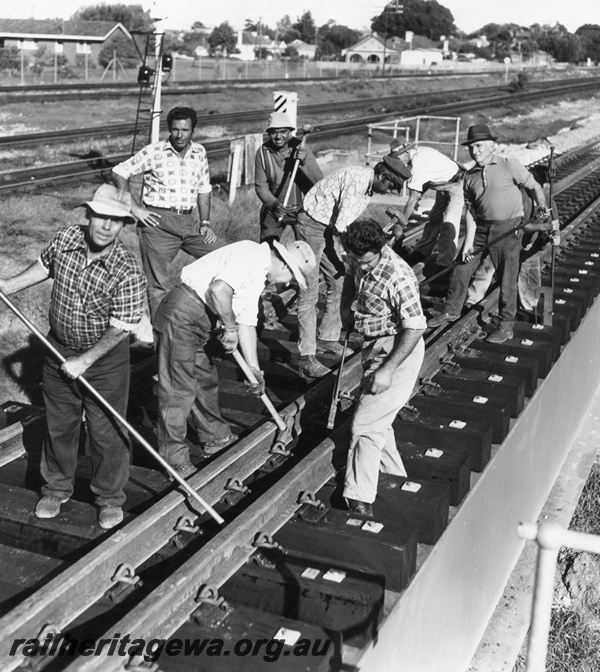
x: 110, y: 201
x: 397, y: 167
x: 397, y: 148
x: 279, y: 120
x: 478, y: 133
x: 299, y: 257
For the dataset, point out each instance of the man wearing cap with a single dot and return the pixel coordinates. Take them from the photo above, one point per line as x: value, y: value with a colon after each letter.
x: 494, y: 208
x: 97, y: 299
x: 175, y: 181
x: 388, y: 313
x: 328, y: 209
x: 274, y: 166
x: 433, y: 170
x: 220, y: 290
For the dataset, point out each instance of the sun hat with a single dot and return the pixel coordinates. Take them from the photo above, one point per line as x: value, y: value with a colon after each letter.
x: 279, y: 120
x: 398, y: 148
x: 478, y: 133
x: 110, y: 201
x: 299, y: 257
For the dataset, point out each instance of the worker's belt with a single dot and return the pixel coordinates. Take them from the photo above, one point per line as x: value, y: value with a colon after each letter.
x: 453, y: 180
x: 178, y: 211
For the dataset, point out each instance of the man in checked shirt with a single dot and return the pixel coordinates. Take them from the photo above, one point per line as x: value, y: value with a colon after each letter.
x: 328, y: 208
x: 97, y: 299
x: 388, y: 313
x: 176, y: 179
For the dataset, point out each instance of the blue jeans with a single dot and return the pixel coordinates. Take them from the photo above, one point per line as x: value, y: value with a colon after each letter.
x: 187, y: 377
x: 109, y: 443
x: 321, y: 241
x: 159, y: 246
x: 505, y: 258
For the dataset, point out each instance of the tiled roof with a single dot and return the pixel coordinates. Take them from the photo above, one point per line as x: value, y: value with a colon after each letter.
x: 56, y: 27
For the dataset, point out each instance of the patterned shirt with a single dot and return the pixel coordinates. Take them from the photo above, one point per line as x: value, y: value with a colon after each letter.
x: 341, y: 197
x: 387, y: 298
x: 493, y: 190
x: 87, y: 298
x: 170, y: 180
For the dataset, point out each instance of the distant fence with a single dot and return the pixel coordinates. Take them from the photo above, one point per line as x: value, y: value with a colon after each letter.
x: 23, y: 67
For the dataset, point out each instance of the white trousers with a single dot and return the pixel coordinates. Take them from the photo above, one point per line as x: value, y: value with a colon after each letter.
x: 373, y: 445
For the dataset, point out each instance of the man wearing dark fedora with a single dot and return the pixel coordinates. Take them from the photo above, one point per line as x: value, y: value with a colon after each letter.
x: 97, y: 300
x: 328, y: 209
x: 273, y: 169
x: 494, y: 207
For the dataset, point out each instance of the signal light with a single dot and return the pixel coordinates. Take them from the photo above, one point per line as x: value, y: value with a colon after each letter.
x: 145, y: 75
x: 167, y: 62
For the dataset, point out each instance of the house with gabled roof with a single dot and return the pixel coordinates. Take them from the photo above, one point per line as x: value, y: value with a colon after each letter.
x: 69, y: 38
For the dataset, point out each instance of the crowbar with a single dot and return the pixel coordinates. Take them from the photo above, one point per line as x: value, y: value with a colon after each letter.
x: 336, y: 390
x: 265, y: 399
x: 165, y: 465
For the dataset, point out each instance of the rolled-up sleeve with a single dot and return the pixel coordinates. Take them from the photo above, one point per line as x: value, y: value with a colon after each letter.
x: 408, y: 303
x: 127, y: 306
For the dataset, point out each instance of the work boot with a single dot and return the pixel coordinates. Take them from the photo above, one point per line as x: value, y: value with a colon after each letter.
x: 499, y: 336
x: 330, y: 347
x: 184, y: 469
x: 110, y: 516
x: 214, y: 446
x: 441, y: 318
x: 362, y: 508
x: 310, y: 366
x: 49, y: 506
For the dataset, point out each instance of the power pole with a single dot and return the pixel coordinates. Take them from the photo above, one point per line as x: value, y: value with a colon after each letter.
x: 394, y: 7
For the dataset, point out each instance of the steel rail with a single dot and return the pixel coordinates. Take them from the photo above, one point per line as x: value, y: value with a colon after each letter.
x: 330, y: 129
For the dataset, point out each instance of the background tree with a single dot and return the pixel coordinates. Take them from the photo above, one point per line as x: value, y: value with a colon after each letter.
x: 222, y: 40
x: 305, y: 26
x: 286, y: 31
x: 133, y: 17
x: 333, y: 38
x: 589, y: 34
x: 559, y: 43
x: 423, y: 17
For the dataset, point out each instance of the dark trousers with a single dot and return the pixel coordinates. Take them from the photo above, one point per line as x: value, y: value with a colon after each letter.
x: 271, y: 229
x: 160, y: 244
x: 109, y: 444
x: 188, y: 381
x: 505, y: 257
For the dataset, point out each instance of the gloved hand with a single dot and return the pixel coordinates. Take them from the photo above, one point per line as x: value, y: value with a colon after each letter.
x: 256, y: 389
x: 229, y: 339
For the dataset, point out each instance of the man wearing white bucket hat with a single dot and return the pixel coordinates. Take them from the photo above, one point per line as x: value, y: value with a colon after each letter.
x: 97, y: 299
x: 274, y: 168
x: 221, y: 290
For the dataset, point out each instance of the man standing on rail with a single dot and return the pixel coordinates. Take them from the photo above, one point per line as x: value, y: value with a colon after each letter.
x: 97, y: 299
x: 274, y: 166
x: 388, y: 314
x: 328, y: 209
x: 176, y: 179
x: 494, y: 207
x: 433, y: 170
x: 221, y: 289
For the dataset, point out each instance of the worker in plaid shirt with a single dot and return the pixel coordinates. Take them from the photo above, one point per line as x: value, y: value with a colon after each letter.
x: 97, y: 299
x: 387, y: 311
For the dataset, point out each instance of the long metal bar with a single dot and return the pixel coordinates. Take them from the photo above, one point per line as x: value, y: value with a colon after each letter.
x: 113, y: 411
x: 550, y: 538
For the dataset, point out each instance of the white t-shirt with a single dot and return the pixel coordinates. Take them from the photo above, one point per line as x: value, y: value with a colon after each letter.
x: 429, y: 165
x: 243, y: 266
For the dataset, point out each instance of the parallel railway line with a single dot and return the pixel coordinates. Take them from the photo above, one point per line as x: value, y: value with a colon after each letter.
x: 87, y: 168
x: 78, y: 580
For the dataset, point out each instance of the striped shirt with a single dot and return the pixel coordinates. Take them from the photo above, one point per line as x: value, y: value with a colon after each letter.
x: 388, y: 299
x: 87, y: 298
x: 341, y: 197
x: 170, y: 179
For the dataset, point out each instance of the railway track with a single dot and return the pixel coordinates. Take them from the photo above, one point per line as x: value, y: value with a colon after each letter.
x: 282, y: 559
x: 87, y: 168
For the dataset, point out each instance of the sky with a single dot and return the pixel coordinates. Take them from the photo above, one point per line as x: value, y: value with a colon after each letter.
x: 469, y: 15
